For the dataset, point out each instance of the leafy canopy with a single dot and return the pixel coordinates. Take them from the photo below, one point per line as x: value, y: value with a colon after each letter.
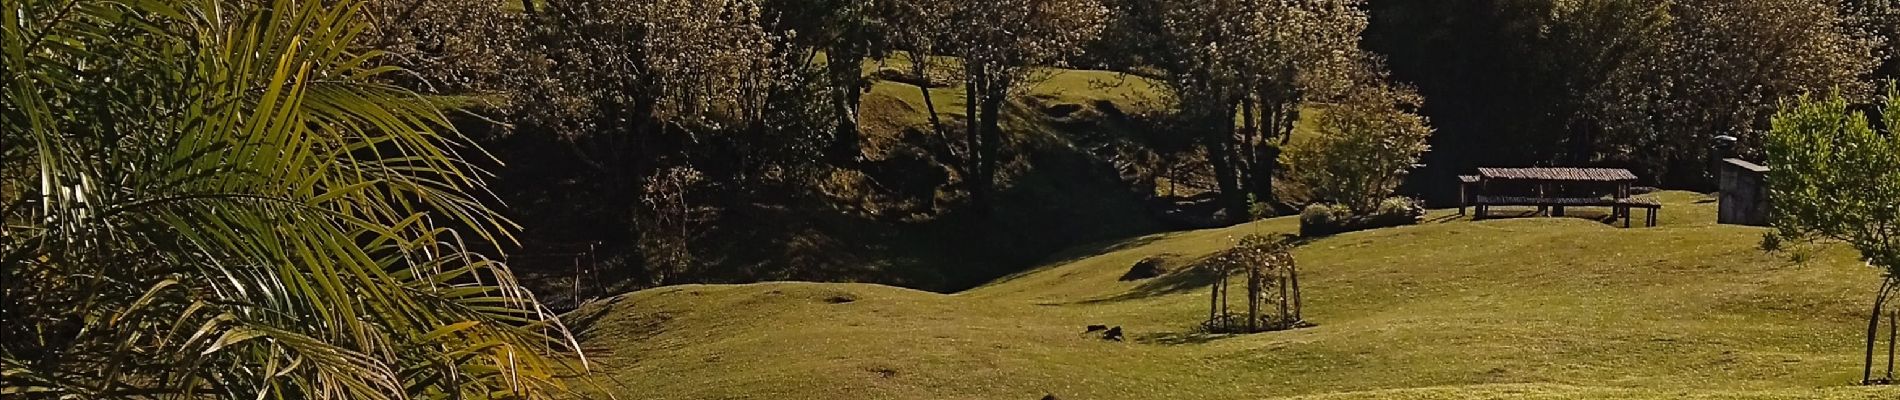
x: 1835, y: 177
x: 1365, y: 147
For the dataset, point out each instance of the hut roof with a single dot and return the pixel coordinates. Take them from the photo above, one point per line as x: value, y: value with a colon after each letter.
x: 1744, y: 164
x: 1559, y: 174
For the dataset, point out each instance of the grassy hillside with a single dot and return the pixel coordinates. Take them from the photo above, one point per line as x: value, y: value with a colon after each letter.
x: 1516, y: 308
x: 1080, y: 166
x: 902, y: 217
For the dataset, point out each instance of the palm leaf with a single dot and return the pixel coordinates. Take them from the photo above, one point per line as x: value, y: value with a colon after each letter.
x: 221, y: 199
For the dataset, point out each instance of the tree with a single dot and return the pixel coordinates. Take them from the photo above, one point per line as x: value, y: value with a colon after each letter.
x: 228, y: 200
x: 1719, y: 68
x: 1008, y: 46
x: 1366, y: 145
x: 1262, y: 60
x: 915, y: 29
x: 606, y: 96
x: 1511, y: 81
x: 846, y: 31
x: 1835, y: 177
x: 1878, y: 20
x: 1642, y: 84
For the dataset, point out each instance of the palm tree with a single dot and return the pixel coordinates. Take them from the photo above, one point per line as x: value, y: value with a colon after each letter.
x: 223, y: 199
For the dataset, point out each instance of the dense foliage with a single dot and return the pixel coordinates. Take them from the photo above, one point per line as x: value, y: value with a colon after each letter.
x: 1836, y: 176
x: 682, y: 142
x: 1365, y: 146
x: 1634, y: 83
x: 211, y: 199
x: 1260, y: 61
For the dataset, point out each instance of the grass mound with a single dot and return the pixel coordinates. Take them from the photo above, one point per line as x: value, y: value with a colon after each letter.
x: 1510, y: 308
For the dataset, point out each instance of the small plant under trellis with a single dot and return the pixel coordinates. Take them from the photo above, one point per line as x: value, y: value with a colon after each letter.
x: 1273, y: 287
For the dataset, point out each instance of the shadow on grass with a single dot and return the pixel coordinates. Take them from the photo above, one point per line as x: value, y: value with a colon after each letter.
x: 1588, y: 215
x: 1075, y: 254
x: 1188, y: 279
x: 1180, y: 338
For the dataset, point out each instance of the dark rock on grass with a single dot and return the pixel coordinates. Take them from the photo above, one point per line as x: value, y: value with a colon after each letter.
x: 1150, y: 267
x: 1114, y: 334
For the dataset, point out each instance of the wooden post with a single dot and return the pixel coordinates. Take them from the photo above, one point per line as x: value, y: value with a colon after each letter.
x: 1253, y: 297
x: 1284, y: 312
x: 1293, y: 275
x: 1484, y: 189
x: 1224, y: 291
x: 1462, y: 198
x: 1213, y: 298
x: 1542, y: 198
x: 1622, y: 192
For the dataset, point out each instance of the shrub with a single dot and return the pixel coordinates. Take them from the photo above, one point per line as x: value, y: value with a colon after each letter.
x: 1365, y: 146
x: 1329, y: 219
x: 1322, y: 219
x: 1260, y: 210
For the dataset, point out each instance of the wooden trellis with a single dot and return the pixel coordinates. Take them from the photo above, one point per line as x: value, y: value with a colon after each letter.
x: 1273, y: 284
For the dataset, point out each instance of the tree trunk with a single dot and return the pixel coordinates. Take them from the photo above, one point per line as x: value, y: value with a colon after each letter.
x: 1581, y: 144
x: 1253, y: 298
x: 1277, y: 124
x: 992, y: 142
x: 847, y: 75
x: 1220, y: 142
x: 1250, y: 142
x: 920, y: 65
x: 1873, y: 329
x: 973, y: 171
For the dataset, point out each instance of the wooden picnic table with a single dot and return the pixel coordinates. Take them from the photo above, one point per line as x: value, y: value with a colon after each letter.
x: 1551, y: 190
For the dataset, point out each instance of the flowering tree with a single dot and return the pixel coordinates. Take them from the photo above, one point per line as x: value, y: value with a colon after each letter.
x: 1366, y: 145
x: 1007, y: 47
x: 1262, y: 60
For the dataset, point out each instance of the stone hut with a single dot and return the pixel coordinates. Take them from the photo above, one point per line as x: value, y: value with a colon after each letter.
x: 1744, y: 193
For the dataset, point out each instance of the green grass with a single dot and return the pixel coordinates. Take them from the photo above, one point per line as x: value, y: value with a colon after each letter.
x: 1515, y: 308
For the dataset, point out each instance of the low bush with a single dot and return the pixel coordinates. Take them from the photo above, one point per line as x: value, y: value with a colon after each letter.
x: 1330, y: 219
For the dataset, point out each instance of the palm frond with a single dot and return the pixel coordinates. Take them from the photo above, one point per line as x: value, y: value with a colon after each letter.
x: 221, y: 199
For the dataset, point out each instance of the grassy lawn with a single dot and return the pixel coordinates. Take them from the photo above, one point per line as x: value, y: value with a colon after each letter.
x: 1511, y: 308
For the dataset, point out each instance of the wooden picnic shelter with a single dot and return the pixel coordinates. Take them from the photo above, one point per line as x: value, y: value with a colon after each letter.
x: 1551, y: 190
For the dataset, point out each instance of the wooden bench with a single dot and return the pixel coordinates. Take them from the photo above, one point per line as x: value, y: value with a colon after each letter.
x: 1650, y: 207
x: 1619, y: 207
